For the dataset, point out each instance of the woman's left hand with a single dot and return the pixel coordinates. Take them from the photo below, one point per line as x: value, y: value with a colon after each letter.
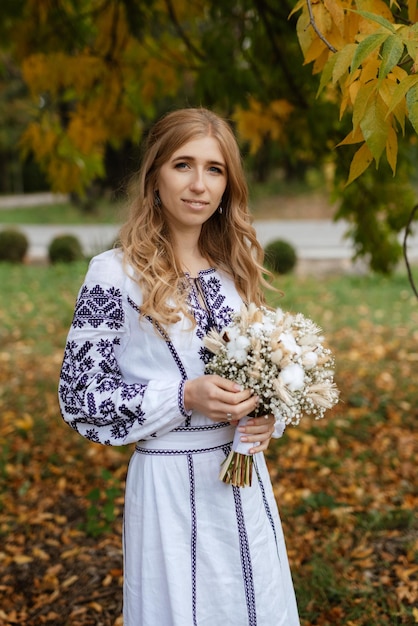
x: 258, y: 430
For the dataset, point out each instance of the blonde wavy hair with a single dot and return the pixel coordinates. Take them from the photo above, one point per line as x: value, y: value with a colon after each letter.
x: 227, y: 240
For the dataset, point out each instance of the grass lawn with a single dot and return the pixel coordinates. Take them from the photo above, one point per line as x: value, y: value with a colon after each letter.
x: 105, y: 212
x: 346, y: 486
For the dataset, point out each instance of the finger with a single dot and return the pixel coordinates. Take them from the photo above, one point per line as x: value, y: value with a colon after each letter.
x: 224, y: 383
x: 258, y: 425
x: 261, y: 448
x: 237, y: 397
x: 259, y: 437
x: 234, y: 412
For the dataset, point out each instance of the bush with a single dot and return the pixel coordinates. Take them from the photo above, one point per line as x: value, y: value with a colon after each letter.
x: 280, y: 256
x: 65, y: 249
x: 13, y: 246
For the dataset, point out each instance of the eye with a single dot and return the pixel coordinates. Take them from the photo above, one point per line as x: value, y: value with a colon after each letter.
x: 181, y: 165
x: 216, y: 170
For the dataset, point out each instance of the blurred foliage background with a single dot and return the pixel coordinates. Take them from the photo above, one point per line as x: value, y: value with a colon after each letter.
x: 82, y: 80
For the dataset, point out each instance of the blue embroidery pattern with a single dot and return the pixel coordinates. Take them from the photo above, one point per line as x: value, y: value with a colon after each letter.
x: 168, y: 452
x: 266, y: 506
x: 193, y: 537
x: 247, y: 570
x: 98, y: 306
x: 98, y: 407
x: 212, y: 312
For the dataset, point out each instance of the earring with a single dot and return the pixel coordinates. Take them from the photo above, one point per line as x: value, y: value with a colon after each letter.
x: 220, y: 209
x: 157, y: 199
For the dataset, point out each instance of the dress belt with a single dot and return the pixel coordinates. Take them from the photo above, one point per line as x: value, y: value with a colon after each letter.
x: 188, y: 440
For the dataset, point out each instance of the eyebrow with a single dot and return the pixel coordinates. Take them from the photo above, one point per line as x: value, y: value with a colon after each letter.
x: 190, y: 158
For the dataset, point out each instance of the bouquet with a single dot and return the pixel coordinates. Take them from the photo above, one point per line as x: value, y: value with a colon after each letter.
x: 279, y: 356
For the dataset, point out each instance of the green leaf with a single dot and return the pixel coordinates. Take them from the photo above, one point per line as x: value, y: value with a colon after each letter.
x: 392, y: 51
x: 326, y: 73
x: 374, y: 127
x: 412, y: 106
x: 412, y: 47
x: 404, y: 86
x: 362, y: 102
x: 343, y: 59
x: 378, y: 19
x: 366, y: 47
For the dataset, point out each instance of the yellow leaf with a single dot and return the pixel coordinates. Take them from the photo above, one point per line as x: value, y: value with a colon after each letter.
x: 322, y: 18
x: 355, y: 136
x: 304, y: 32
x: 361, y: 552
x: 315, y: 50
x: 412, y: 11
x: 261, y: 121
x: 401, y: 89
x: 386, y: 91
x: 370, y: 70
x: 412, y: 106
x: 25, y: 422
x: 22, y: 559
x: 392, y: 149
x: 337, y: 13
x: 38, y: 553
x: 361, y: 161
x: 69, y: 581
x: 282, y: 108
x: 379, y: 7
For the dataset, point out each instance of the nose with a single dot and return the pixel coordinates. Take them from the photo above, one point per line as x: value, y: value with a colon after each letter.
x: 197, y: 183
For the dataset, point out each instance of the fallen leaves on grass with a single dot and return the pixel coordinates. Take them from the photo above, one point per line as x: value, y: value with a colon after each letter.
x: 346, y: 488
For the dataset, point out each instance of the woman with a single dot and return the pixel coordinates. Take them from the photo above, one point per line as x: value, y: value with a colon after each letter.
x: 197, y: 551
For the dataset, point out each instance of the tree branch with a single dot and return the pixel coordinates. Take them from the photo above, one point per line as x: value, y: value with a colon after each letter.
x: 405, y: 250
x: 190, y: 46
x: 263, y: 11
x: 316, y: 29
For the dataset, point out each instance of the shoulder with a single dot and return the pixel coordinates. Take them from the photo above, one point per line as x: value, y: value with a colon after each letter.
x: 108, y: 270
x: 109, y: 267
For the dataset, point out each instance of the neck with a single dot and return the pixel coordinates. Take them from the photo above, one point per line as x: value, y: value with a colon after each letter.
x: 186, y: 248
x: 190, y: 258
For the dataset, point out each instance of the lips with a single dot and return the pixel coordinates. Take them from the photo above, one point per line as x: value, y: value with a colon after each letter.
x: 196, y: 204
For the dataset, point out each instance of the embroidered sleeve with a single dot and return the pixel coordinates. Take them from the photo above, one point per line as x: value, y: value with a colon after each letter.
x: 94, y: 397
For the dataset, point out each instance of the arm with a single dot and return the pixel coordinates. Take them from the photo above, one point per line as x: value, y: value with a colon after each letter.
x: 95, y: 397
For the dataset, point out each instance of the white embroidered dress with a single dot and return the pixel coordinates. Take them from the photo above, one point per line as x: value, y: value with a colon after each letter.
x: 197, y: 552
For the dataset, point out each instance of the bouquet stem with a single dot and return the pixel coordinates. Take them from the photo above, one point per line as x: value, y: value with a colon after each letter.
x: 236, y: 470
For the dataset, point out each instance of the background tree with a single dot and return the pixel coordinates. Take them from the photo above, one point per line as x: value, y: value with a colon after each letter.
x: 99, y: 71
x: 366, y: 53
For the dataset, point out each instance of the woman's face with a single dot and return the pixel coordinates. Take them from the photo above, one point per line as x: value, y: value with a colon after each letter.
x: 191, y: 183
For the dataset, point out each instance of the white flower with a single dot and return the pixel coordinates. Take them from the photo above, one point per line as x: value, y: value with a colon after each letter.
x: 240, y: 356
x: 278, y: 316
x: 289, y: 343
x: 257, y: 328
x: 309, y: 360
x: 237, y: 348
x: 293, y: 377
